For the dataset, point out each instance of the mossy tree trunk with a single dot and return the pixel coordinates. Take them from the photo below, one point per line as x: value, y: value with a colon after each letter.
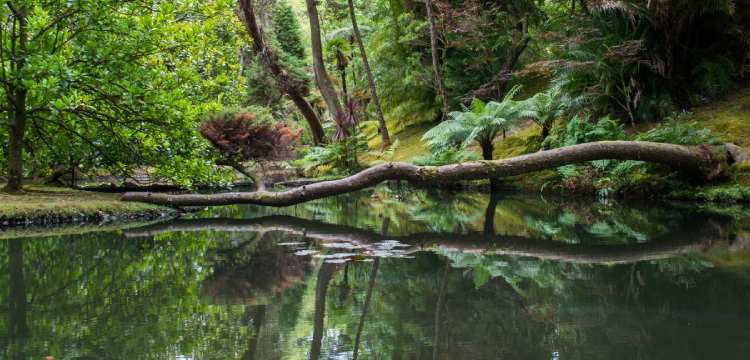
x: 702, y: 161
x: 327, y: 90
x: 16, y: 93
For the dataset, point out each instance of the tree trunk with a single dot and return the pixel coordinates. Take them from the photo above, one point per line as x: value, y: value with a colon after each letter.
x: 286, y: 83
x: 489, y: 213
x: 343, y: 86
x: 545, y: 131
x: 693, y: 237
x: 17, y: 100
x: 319, y: 68
x: 17, y: 130
x: 384, y: 136
x: 257, y: 176
x: 487, y: 149
x: 259, y: 318
x: 438, y: 71
x: 439, y: 311
x: 704, y: 162
x: 366, y: 305
x: 325, y: 274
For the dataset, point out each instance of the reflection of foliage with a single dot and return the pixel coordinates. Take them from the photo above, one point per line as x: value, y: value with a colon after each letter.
x: 100, y: 297
x: 254, y: 276
x: 410, y: 210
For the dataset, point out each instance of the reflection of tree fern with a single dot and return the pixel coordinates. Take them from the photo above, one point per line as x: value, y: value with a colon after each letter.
x: 449, y: 212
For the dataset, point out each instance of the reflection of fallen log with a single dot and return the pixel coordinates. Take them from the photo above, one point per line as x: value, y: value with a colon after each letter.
x: 691, y: 238
x: 701, y: 161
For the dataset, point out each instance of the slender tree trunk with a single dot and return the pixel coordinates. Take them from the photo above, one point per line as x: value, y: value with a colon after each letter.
x: 18, y: 329
x: 489, y: 213
x: 17, y: 101
x: 438, y: 71
x: 343, y: 86
x: 439, y: 312
x: 325, y: 274
x: 703, y: 162
x: 366, y: 306
x: 259, y: 318
x: 327, y: 90
x: 487, y: 150
x: 257, y: 175
x: 286, y: 83
x: 384, y: 136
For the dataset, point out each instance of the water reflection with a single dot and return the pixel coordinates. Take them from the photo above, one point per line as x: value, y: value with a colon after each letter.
x: 431, y: 275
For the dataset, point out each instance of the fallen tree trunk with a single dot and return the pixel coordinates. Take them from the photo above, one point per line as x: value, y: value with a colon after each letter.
x: 702, y: 161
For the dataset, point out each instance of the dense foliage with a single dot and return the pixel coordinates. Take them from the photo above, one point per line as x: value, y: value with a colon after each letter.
x: 244, y: 137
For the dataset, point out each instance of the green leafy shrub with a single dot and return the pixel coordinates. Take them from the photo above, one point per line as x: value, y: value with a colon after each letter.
x: 676, y: 131
x: 338, y: 158
x: 579, y: 130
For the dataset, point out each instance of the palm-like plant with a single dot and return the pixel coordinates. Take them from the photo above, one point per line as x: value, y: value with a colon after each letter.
x: 543, y: 108
x: 480, y: 122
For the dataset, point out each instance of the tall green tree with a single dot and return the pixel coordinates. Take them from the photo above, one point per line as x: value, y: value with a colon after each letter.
x: 109, y: 84
x: 287, y: 30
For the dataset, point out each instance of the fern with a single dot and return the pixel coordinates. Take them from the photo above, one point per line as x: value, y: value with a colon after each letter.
x: 480, y: 122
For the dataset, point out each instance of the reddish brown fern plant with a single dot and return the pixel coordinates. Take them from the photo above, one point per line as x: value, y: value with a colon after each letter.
x: 242, y: 137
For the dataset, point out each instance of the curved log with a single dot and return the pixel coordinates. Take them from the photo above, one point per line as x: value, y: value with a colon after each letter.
x: 692, y: 238
x: 702, y: 161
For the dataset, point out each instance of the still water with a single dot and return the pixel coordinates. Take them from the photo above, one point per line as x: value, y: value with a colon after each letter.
x: 389, y: 273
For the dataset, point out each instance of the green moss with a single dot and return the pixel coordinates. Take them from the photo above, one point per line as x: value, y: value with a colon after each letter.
x: 410, y: 144
x: 44, y: 201
x: 729, y: 118
x: 522, y: 141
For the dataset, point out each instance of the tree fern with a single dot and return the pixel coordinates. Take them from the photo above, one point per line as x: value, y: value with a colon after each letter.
x: 479, y: 122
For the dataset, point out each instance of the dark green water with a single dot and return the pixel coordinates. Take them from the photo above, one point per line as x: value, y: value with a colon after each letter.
x: 389, y: 274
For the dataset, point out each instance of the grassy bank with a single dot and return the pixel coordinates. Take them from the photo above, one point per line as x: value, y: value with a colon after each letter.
x: 43, y: 205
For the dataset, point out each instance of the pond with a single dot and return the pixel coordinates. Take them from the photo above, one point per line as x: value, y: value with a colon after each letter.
x: 389, y: 273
